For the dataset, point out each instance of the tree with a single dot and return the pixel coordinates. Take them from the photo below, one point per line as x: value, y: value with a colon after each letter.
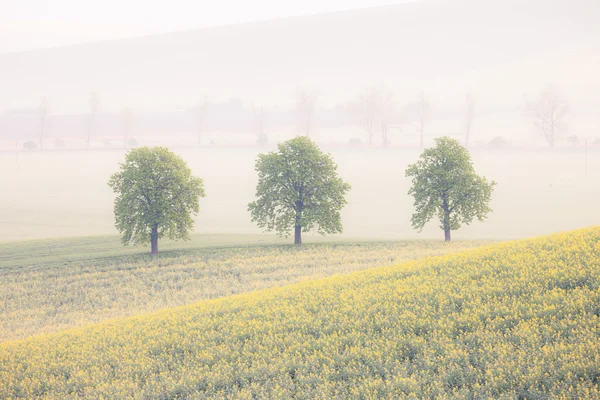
x: 94, y: 107
x: 421, y: 107
x: 384, y: 108
x: 374, y: 107
x: 470, y: 100
x: 444, y: 183
x: 548, y: 113
x: 365, y: 107
x: 43, y: 110
x: 298, y: 187
x: 306, y: 107
x: 156, y: 197
x: 258, y: 122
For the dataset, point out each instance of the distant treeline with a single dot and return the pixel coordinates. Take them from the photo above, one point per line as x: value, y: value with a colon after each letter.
x: 232, y: 116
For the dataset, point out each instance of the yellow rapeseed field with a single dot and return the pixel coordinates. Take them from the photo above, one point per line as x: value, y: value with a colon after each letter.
x: 515, y: 320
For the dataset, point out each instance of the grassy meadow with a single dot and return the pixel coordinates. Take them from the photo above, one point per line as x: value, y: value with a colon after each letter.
x: 510, y: 320
x: 109, y: 247
x: 51, y: 285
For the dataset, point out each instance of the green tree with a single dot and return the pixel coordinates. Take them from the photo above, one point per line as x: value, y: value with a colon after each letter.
x: 445, y: 184
x: 298, y: 187
x: 156, y: 197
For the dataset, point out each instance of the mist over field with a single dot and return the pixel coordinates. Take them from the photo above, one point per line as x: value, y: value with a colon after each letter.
x: 63, y: 193
x: 209, y: 93
x: 420, y: 136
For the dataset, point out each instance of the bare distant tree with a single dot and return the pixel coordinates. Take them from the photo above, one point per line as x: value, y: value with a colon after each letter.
x: 421, y: 107
x: 201, y: 111
x: 548, y: 113
x: 470, y: 115
x: 94, y: 107
x: 43, y: 111
x: 374, y: 107
x: 306, y: 107
x: 384, y: 113
x: 258, y: 122
x: 127, y: 114
x: 366, y: 108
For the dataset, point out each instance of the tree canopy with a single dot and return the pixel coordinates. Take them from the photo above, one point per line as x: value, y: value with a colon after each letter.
x: 156, y: 197
x: 298, y: 188
x: 444, y: 183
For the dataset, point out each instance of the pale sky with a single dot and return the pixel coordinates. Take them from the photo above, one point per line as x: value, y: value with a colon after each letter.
x: 32, y: 24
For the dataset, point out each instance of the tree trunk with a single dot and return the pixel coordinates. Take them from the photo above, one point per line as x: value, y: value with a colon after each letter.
x: 298, y: 225
x: 384, y: 134
x: 154, y: 239
x: 298, y: 235
x: 446, y: 222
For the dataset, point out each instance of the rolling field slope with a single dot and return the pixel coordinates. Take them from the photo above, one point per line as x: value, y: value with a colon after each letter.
x: 514, y: 320
x: 51, y: 285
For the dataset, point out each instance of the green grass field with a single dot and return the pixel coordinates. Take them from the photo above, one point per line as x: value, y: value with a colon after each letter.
x: 50, y: 285
x: 513, y: 320
x: 93, y: 248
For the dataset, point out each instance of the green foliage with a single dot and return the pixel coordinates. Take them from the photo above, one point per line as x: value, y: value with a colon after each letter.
x: 155, y: 190
x: 298, y: 186
x: 445, y: 184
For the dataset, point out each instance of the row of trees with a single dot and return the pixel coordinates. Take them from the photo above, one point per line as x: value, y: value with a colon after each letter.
x: 94, y: 108
x: 374, y: 109
x: 298, y: 190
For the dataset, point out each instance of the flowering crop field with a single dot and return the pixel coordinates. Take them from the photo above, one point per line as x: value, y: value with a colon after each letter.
x: 512, y: 320
x: 42, y: 297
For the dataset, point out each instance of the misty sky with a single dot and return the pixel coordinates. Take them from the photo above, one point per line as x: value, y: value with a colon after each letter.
x: 32, y: 24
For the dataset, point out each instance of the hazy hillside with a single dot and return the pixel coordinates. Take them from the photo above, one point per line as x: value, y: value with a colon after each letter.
x: 445, y: 47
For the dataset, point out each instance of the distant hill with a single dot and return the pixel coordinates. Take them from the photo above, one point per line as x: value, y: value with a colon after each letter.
x: 496, y: 49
